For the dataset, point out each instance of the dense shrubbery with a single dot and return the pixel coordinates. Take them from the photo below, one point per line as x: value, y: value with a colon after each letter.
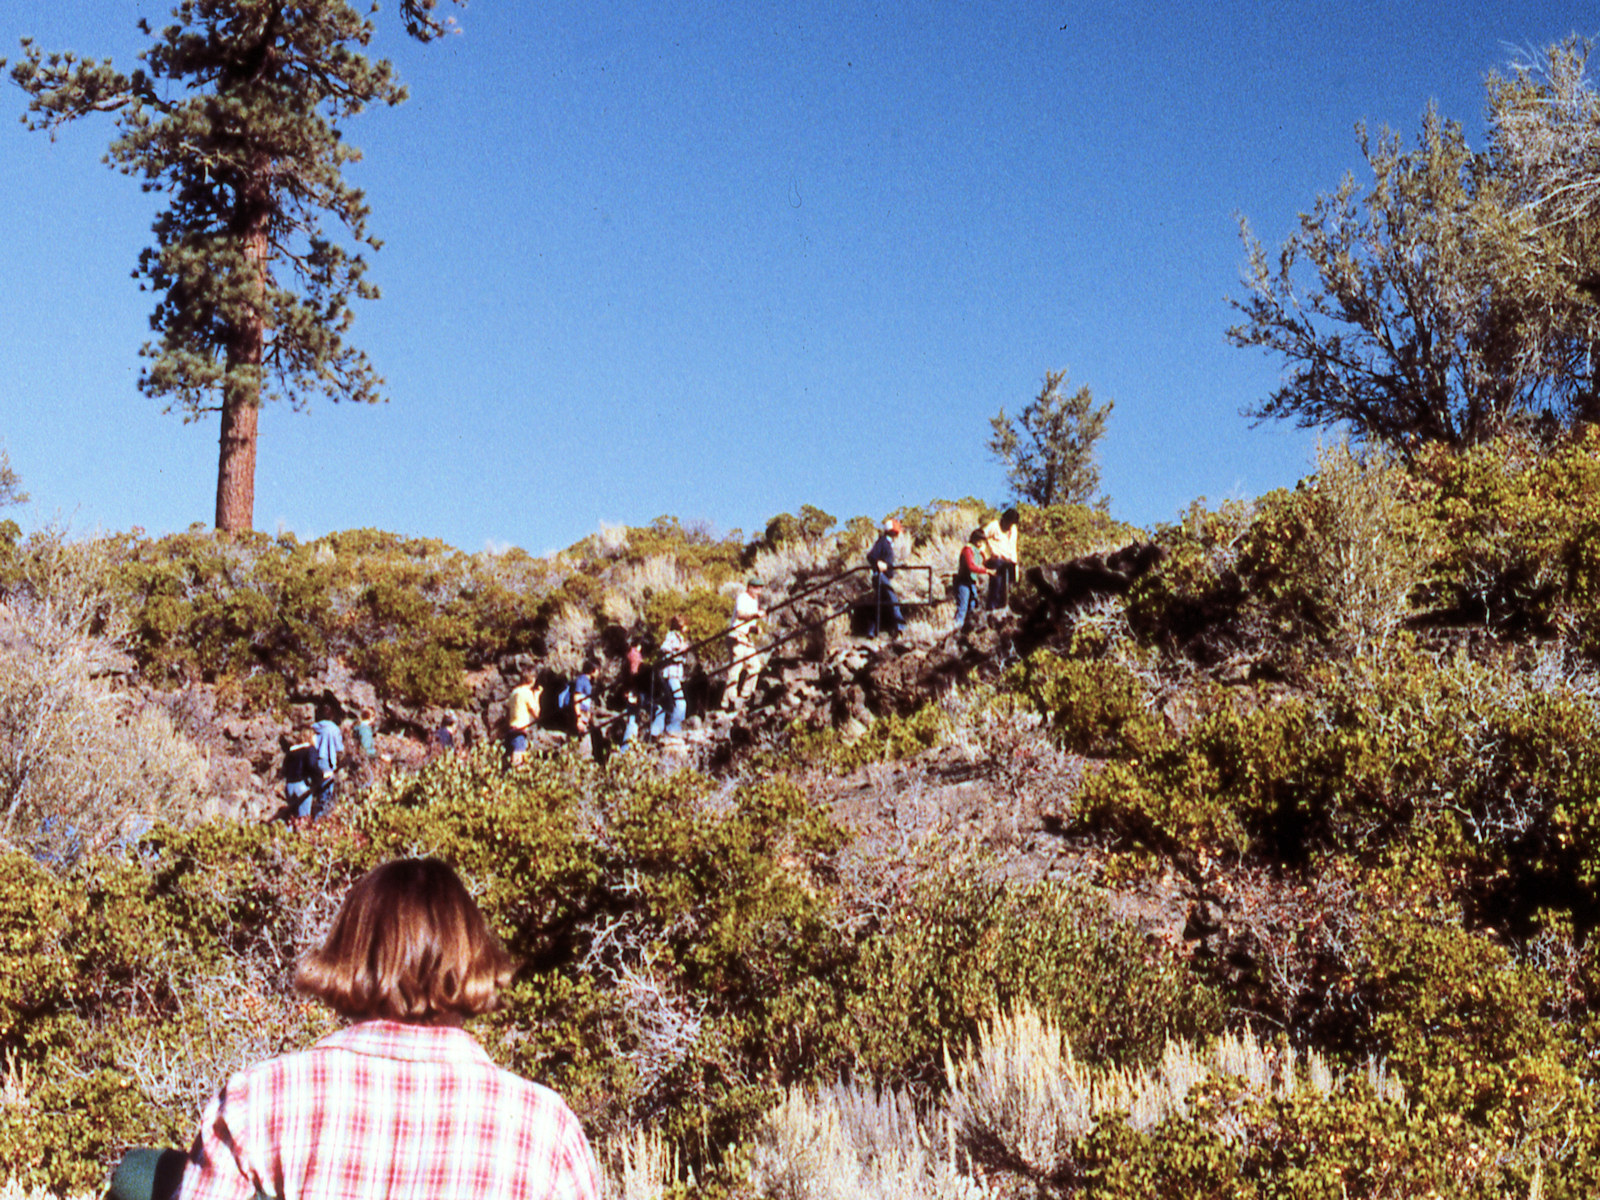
x: 412, y: 614
x: 687, y: 957
x: 1355, y: 723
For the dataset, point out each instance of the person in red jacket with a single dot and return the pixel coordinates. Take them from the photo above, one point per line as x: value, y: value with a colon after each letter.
x: 967, y: 573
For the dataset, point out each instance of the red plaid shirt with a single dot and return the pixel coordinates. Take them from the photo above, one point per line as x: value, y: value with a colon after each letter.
x: 388, y: 1111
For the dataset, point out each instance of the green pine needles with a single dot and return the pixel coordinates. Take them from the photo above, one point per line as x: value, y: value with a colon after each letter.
x: 236, y: 115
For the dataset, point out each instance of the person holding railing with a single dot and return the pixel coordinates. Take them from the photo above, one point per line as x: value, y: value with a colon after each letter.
x: 1000, y: 540
x: 881, y: 559
x: 744, y: 660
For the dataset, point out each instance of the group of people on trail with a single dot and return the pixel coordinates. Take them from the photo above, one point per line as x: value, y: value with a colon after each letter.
x: 652, y: 696
x: 652, y: 686
x: 990, y: 552
x: 313, y: 757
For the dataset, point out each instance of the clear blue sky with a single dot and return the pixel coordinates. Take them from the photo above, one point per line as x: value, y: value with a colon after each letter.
x: 719, y: 262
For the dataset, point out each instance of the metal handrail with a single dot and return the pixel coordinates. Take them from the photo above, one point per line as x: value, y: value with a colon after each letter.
x: 804, y: 628
x: 790, y: 602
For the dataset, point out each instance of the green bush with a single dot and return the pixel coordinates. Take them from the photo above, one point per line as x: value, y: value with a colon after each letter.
x: 1520, y: 524
x: 1060, y: 532
x: 411, y: 613
x: 965, y: 944
x: 716, y: 906
x: 886, y: 739
x: 1095, y: 707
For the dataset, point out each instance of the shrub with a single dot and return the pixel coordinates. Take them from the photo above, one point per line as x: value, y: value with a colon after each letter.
x: 1060, y: 532
x: 1096, y: 707
x: 1519, y: 532
x: 964, y: 944
x: 1340, y: 558
x: 81, y: 764
x: 887, y: 739
x: 848, y: 1143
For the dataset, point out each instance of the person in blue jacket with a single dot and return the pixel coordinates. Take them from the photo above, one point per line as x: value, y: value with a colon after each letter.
x: 881, y: 559
x: 328, y: 746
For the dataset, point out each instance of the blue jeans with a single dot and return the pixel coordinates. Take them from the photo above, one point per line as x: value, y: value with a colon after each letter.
x: 670, y: 710
x: 1001, y: 582
x: 325, y: 790
x: 966, y: 601
x: 884, y: 599
x: 298, y: 797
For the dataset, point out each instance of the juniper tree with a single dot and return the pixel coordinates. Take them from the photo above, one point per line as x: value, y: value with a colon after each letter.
x: 236, y: 115
x: 10, y: 483
x: 1049, y: 450
x: 1452, y: 297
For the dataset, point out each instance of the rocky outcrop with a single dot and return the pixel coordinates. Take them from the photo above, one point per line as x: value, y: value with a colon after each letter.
x: 818, y: 685
x: 812, y: 681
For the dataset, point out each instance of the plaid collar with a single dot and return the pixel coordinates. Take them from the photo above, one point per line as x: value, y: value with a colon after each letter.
x: 408, y: 1042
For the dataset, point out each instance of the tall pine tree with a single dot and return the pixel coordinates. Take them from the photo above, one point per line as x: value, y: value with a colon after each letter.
x: 236, y: 115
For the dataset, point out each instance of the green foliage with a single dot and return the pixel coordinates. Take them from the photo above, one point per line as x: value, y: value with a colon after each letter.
x: 965, y: 945
x: 705, y: 615
x: 810, y: 525
x: 122, y: 977
x: 1049, y: 451
x: 1521, y: 528
x: 411, y: 613
x: 1195, y: 593
x: 1095, y: 707
x: 886, y: 739
x: 1334, y: 568
x: 1453, y: 1012
x: 1059, y: 532
x: 693, y: 549
x: 718, y: 906
x: 36, y: 992
x: 858, y: 533
x: 1338, y: 560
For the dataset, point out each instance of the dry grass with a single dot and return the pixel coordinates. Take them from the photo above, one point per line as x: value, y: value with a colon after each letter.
x: 568, y: 639
x: 1019, y: 1100
x: 641, y: 1165
x: 848, y: 1144
x: 81, y: 763
x: 636, y: 582
x: 778, y: 566
x: 611, y: 541
x: 1367, y: 557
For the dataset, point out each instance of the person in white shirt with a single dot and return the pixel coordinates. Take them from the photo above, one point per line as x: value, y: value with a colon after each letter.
x: 744, y: 660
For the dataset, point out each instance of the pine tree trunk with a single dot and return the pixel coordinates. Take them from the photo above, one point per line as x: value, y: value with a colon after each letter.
x: 241, y: 389
x: 236, y: 460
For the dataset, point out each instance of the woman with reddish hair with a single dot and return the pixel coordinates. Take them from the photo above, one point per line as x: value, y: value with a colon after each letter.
x: 402, y: 1104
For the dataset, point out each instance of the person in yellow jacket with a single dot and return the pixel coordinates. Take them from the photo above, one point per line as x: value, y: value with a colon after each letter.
x: 1000, y: 555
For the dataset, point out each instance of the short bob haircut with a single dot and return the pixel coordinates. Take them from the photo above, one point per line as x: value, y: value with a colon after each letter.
x: 408, y: 944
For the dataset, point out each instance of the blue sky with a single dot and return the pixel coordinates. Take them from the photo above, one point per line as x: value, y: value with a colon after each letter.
x: 719, y: 263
